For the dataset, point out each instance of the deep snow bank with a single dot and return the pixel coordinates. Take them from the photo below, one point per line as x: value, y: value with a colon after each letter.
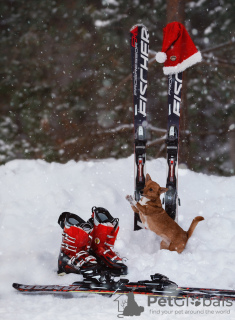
x: 34, y: 193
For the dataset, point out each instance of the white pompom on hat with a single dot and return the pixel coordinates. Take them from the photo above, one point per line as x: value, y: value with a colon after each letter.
x: 161, y: 57
x: 178, y: 50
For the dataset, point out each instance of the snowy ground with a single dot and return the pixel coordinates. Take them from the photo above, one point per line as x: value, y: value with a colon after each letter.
x: 34, y: 193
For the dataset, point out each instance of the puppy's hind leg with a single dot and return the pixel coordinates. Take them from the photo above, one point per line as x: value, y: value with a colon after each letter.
x: 179, y: 247
x: 164, y: 245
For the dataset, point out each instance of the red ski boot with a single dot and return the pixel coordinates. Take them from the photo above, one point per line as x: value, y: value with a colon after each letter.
x: 104, y: 235
x: 76, y: 241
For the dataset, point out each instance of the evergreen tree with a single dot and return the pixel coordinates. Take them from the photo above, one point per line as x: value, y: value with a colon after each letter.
x: 66, y: 90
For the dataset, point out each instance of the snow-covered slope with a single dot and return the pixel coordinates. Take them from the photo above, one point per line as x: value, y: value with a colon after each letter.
x: 34, y: 193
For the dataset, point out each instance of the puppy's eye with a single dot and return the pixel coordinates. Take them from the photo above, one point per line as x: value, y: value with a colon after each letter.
x: 150, y: 189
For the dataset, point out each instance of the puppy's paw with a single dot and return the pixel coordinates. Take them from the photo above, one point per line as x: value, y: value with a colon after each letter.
x: 130, y: 199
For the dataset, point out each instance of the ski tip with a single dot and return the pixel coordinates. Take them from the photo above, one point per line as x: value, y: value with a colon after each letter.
x: 138, y: 25
x: 15, y: 285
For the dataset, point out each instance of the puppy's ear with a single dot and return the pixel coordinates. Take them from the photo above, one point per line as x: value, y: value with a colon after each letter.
x: 163, y: 190
x: 148, y: 178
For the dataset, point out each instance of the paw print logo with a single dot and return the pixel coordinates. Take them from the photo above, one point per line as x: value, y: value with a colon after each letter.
x: 196, y: 303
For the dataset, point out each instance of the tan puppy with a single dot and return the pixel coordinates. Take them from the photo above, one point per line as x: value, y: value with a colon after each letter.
x: 155, y: 218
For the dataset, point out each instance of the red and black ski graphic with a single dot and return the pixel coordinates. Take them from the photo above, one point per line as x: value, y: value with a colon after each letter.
x: 139, y: 43
x: 158, y: 286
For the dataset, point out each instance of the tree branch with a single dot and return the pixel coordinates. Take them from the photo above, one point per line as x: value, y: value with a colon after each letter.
x: 217, y: 61
x: 222, y: 45
x: 156, y: 141
x: 126, y: 127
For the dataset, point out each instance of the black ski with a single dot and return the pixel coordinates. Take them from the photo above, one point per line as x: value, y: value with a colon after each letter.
x: 159, y: 286
x: 172, y: 142
x: 139, y: 41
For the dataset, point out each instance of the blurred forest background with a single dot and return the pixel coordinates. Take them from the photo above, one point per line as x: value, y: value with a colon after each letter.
x: 66, y: 89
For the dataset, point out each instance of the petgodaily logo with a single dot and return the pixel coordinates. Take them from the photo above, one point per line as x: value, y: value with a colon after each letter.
x: 203, y: 302
x: 127, y: 306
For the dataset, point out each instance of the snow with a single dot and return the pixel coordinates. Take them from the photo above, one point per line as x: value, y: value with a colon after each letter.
x: 34, y: 193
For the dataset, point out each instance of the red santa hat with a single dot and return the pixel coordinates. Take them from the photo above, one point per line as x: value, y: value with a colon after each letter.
x: 178, y: 50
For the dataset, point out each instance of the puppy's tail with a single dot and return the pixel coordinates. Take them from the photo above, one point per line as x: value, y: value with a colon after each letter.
x: 193, y: 225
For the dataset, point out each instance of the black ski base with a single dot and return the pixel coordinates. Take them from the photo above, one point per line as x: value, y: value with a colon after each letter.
x: 172, y: 143
x: 139, y: 43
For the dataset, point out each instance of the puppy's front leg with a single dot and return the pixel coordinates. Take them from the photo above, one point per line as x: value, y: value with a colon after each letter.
x: 132, y: 203
x: 142, y: 209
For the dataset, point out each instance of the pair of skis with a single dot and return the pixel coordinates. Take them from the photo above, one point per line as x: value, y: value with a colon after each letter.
x: 158, y: 286
x: 139, y: 42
